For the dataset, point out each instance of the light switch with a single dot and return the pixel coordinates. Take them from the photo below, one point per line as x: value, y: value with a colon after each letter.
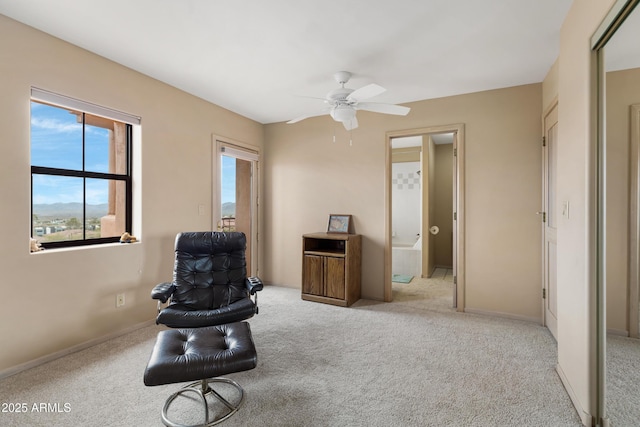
x: 201, y: 210
x: 565, y: 209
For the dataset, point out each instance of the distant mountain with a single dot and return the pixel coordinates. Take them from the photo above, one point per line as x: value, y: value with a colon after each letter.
x: 229, y: 209
x: 69, y: 210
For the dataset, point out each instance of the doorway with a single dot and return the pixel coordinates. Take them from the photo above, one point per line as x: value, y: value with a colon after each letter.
x: 451, y: 255
x: 237, y: 196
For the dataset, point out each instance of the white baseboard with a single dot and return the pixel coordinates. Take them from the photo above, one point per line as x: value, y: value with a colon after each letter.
x: 67, y: 351
x: 618, y: 332
x: 503, y: 315
x: 585, y: 417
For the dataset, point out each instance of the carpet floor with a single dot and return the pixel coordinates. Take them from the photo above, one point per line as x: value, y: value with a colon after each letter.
x: 374, y: 364
x: 435, y: 293
x: 623, y: 354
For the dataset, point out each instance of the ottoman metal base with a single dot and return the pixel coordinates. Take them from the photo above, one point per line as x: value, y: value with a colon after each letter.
x: 202, y: 389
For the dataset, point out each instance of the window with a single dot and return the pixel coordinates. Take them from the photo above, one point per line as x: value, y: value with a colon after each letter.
x: 80, y: 172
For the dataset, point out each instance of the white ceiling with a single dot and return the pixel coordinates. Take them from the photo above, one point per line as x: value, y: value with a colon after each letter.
x: 259, y: 58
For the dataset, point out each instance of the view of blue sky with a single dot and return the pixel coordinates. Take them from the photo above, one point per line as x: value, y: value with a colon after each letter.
x: 56, y: 141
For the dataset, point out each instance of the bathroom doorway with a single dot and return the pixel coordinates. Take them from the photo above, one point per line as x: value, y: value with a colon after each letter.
x: 424, y: 212
x: 407, y: 203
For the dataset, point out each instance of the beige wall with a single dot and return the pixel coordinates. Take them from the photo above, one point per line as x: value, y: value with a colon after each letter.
x: 429, y: 214
x: 443, y: 204
x: 575, y: 136
x: 409, y: 154
x: 307, y: 177
x: 60, y: 298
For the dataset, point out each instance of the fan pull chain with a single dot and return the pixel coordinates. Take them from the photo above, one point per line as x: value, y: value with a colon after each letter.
x: 351, y: 135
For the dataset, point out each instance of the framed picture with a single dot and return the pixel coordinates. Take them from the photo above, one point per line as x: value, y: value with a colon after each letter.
x: 339, y: 223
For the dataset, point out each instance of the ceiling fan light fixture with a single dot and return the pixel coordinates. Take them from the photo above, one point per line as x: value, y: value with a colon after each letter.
x: 343, y: 113
x: 343, y: 102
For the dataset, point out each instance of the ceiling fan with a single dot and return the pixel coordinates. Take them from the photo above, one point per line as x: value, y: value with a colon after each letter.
x: 342, y: 103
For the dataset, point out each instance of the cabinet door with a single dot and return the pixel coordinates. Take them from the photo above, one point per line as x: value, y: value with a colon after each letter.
x: 334, y: 277
x: 312, y: 275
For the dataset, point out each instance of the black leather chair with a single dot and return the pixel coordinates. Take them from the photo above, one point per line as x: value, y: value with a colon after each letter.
x: 210, y: 284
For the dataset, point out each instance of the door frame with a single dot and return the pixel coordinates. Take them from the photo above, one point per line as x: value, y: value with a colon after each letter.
x: 459, y: 251
x: 633, y: 294
x: 251, y: 153
x: 546, y: 217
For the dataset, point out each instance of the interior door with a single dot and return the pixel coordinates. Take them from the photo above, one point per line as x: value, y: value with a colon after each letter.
x: 454, y: 244
x: 549, y: 218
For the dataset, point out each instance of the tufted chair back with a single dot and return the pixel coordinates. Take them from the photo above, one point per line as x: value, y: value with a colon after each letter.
x: 210, y: 269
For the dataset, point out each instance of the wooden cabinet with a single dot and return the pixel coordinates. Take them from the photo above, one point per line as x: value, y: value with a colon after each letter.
x: 331, y: 268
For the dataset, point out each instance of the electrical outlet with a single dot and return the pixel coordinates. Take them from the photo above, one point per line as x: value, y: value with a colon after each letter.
x: 119, y: 300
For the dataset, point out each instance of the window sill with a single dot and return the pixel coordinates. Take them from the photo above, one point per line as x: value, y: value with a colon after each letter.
x: 83, y: 248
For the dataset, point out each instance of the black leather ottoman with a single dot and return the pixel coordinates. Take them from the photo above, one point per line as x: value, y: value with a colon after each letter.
x: 201, y: 355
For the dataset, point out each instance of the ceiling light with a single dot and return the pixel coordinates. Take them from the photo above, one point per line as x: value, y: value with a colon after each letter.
x: 343, y: 113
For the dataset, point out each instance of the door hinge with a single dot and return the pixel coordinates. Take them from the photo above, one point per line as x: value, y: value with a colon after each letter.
x: 455, y: 216
x: 455, y: 152
x: 455, y: 280
x: 544, y: 216
x: 544, y: 293
x: 544, y: 141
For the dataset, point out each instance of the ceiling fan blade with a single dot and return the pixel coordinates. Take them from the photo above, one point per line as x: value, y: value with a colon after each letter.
x: 311, y: 97
x: 307, y: 116
x: 398, y: 110
x: 365, y: 92
x: 351, y: 124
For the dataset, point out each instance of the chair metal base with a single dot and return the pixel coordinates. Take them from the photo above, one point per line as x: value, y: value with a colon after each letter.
x: 202, y: 388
